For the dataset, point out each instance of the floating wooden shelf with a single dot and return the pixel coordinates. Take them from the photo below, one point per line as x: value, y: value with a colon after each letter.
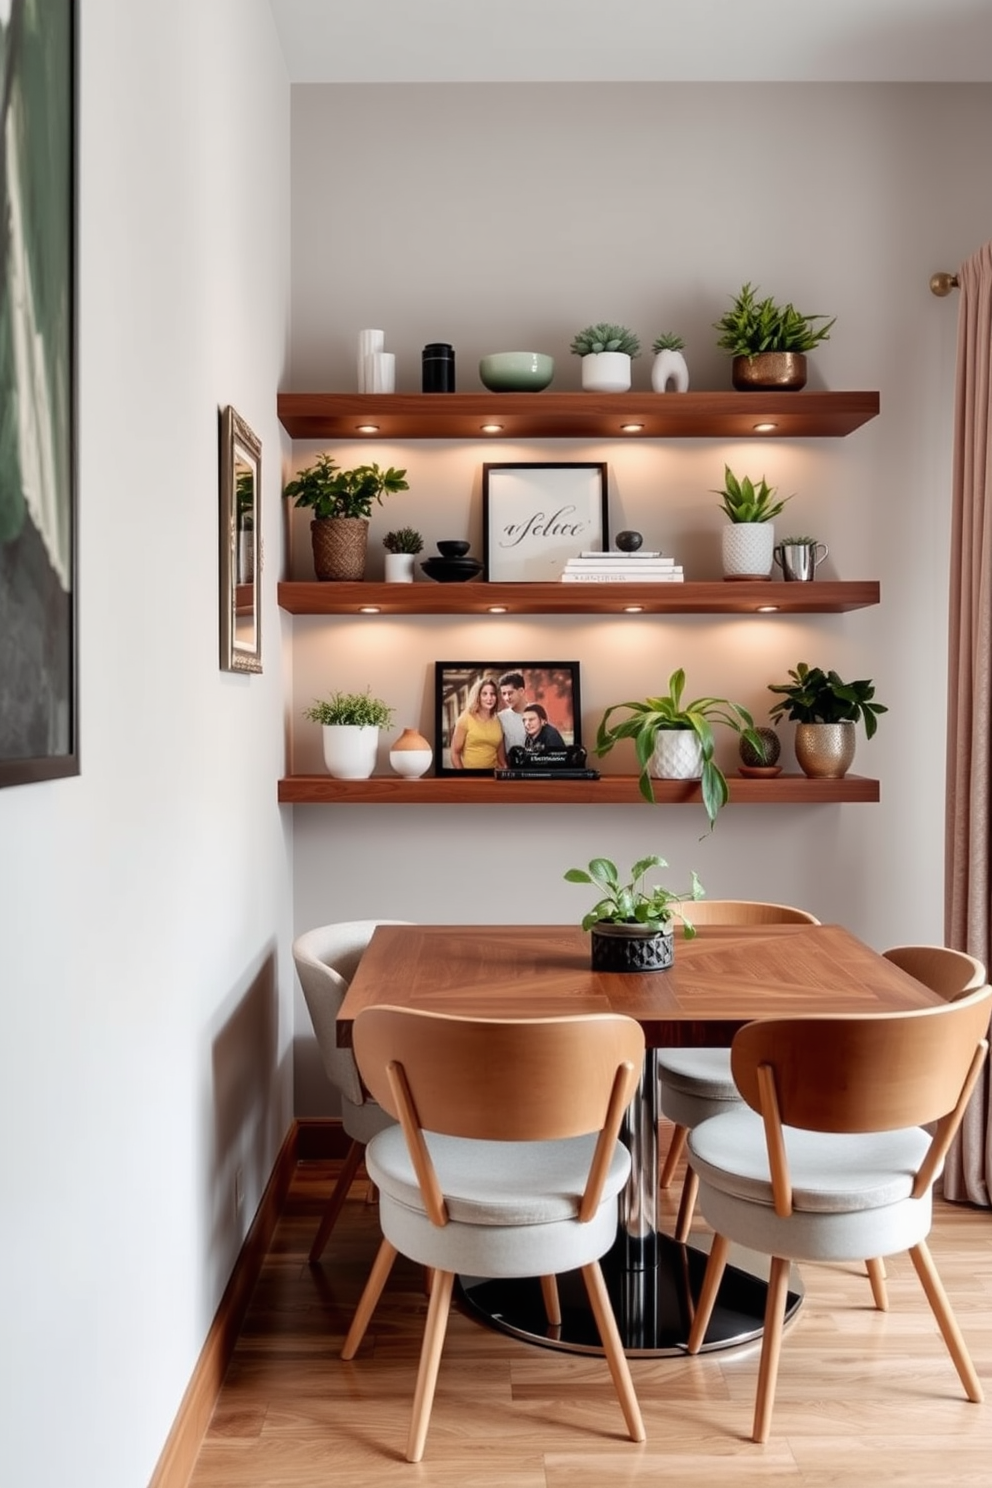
x: 574, y: 415
x: 479, y: 598
x: 609, y: 790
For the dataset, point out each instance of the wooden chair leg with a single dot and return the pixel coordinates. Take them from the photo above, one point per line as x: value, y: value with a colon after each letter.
x: 876, y: 1275
x: 599, y: 1301
x: 672, y: 1156
x: 378, y: 1277
x: 552, y: 1302
x: 771, y: 1348
x: 687, y: 1206
x: 335, y: 1203
x: 430, y: 1359
x: 715, y: 1267
x: 946, y: 1321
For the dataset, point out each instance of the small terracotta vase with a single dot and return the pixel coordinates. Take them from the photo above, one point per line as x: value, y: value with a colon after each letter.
x: 411, y: 754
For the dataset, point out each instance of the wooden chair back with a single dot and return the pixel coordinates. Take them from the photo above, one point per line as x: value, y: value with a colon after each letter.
x: 745, y: 912
x: 508, y: 1080
x: 945, y: 971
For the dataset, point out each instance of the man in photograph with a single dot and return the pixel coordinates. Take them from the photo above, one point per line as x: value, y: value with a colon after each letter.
x: 513, y: 692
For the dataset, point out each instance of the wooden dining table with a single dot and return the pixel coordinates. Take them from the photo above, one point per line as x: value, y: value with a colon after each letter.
x: 723, y: 978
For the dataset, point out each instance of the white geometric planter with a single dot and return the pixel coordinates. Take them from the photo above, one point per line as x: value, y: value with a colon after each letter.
x: 678, y: 755
x: 606, y: 372
x: 748, y: 549
x: 669, y: 373
x: 350, y: 750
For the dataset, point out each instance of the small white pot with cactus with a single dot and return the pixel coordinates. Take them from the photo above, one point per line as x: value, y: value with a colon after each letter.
x: 606, y: 352
x: 749, y: 542
x: 669, y: 374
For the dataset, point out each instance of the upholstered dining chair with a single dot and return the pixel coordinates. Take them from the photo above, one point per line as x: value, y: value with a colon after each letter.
x: 326, y: 960
x: 828, y: 1159
x: 506, y: 1162
x: 697, y: 1083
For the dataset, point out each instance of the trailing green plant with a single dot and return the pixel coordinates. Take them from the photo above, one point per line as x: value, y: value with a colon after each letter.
x: 332, y: 492
x: 634, y: 903
x: 668, y: 342
x: 403, y: 540
x: 647, y: 719
x: 816, y: 696
x: 604, y: 337
x: 743, y: 501
x: 359, y: 709
x: 752, y: 326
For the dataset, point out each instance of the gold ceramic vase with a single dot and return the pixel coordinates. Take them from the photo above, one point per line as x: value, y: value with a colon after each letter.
x: 825, y: 751
x: 782, y: 371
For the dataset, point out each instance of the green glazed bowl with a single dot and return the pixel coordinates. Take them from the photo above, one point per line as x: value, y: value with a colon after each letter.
x: 516, y: 371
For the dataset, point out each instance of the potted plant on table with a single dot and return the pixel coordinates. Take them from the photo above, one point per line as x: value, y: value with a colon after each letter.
x: 826, y: 711
x: 768, y: 342
x: 632, y: 924
x: 674, y: 740
x: 401, y: 548
x: 341, y: 502
x: 606, y: 351
x: 669, y: 365
x: 748, y: 544
x: 351, y: 722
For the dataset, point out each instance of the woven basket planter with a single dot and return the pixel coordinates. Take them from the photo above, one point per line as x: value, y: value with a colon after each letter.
x: 339, y: 547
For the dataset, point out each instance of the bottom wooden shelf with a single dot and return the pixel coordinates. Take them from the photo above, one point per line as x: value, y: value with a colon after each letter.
x: 609, y: 790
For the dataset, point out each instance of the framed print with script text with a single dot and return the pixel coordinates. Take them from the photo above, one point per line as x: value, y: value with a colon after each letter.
x: 536, y: 517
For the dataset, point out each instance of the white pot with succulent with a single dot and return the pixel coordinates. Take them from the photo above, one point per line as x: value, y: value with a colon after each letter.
x: 632, y: 924
x: 402, y: 546
x: 748, y: 544
x: 669, y: 372
x: 606, y: 352
x: 350, y: 722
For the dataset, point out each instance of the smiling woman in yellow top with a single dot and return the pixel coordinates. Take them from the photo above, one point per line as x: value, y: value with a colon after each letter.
x: 477, y: 742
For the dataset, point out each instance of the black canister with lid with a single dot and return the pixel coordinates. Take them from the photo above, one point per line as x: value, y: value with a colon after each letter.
x: 438, y: 367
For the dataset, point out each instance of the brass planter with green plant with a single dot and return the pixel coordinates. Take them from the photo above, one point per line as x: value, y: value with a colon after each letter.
x: 341, y: 502
x: 768, y: 342
x: 826, y: 711
x: 631, y: 925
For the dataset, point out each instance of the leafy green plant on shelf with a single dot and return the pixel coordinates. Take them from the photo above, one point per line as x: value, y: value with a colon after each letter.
x: 752, y: 326
x: 358, y: 709
x: 633, y: 902
x: 332, y: 492
x: 605, y: 337
x: 403, y: 540
x: 816, y: 696
x: 743, y: 501
x: 668, y: 342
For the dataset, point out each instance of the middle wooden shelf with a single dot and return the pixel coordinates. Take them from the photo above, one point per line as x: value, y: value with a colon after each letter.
x: 609, y: 790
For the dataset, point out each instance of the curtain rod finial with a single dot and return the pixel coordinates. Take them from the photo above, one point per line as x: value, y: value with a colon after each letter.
x: 942, y: 283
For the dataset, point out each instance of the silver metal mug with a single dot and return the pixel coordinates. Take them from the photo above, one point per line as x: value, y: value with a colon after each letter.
x: 799, y: 561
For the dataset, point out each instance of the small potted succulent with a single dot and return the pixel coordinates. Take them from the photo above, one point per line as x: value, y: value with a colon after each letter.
x: 401, y: 547
x: 341, y: 502
x: 674, y: 740
x: 606, y: 351
x: 631, y: 924
x: 669, y: 371
x: 768, y: 342
x: 351, y: 722
x: 826, y: 711
x: 799, y: 557
x: 748, y: 544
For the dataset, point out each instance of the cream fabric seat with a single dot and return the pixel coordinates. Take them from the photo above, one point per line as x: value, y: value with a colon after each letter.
x: 696, y: 1083
x: 507, y: 1162
x: 828, y: 1161
x: 326, y: 960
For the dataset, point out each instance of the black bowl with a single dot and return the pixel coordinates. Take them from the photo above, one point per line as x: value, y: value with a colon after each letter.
x: 453, y: 547
x: 452, y: 570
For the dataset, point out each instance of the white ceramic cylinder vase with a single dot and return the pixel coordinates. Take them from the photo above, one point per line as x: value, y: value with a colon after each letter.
x: 411, y: 755
x: 399, y: 568
x: 350, y: 750
x: 669, y: 373
x: 748, y: 549
x: 368, y: 343
x: 606, y: 372
x: 380, y: 372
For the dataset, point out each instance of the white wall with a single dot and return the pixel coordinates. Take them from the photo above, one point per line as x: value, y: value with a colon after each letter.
x: 145, y: 904
x: 500, y: 217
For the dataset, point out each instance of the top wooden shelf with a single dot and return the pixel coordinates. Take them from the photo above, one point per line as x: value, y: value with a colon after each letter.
x: 574, y: 415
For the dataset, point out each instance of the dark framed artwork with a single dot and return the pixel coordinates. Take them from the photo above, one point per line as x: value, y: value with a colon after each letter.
x: 38, y: 588
x: 536, y: 517
x: 466, y: 739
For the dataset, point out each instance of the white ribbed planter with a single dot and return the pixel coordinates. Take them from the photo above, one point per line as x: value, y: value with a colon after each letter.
x: 399, y: 568
x: 606, y: 372
x: 350, y: 750
x: 748, y: 549
x: 678, y: 755
x: 669, y: 373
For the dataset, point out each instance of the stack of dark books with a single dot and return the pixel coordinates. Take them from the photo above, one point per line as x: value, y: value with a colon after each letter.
x: 552, y: 764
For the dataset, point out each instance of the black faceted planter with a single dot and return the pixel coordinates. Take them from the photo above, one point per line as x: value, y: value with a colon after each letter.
x: 630, y: 948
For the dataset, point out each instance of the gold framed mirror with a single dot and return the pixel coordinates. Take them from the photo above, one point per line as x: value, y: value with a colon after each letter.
x: 240, y: 545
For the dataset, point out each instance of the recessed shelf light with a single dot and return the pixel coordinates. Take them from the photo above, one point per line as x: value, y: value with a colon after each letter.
x: 633, y: 609
x: 368, y: 428
x: 767, y: 609
x: 631, y: 428
x: 368, y: 609
x: 492, y: 428
x: 764, y: 428
x: 497, y: 609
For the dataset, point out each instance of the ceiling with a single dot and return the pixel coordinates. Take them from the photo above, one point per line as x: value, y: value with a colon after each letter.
x: 397, y: 41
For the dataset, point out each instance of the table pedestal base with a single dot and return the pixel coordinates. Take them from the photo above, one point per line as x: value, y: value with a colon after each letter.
x: 653, y: 1306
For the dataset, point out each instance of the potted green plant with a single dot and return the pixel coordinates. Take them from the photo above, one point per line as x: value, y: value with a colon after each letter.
x: 401, y: 548
x: 606, y: 351
x: 341, y: 502
x: 826, y: 711
x: 669, y: 370
x: 768, y: 342
x: 748, y: 544
x: 350, y: 722
x: 674, y: 740
x: 631, y: 924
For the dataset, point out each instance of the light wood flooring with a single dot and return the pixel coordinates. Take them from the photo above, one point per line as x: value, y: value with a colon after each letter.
x: 863, y: 1397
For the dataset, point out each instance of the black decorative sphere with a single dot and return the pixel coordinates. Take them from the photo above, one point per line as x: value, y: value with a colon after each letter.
x: 628, y: 542
x: 773, y: 748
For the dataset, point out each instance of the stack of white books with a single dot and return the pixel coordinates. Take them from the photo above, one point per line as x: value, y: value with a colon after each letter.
x: 622, y: 568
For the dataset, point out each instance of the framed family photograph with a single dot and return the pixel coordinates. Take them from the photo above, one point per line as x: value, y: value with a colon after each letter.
x: 483, y: 709
x: 536, y: 517
x: 38, y: 609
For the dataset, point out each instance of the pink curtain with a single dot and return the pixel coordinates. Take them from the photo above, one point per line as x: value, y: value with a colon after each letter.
x: 968, y: 841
